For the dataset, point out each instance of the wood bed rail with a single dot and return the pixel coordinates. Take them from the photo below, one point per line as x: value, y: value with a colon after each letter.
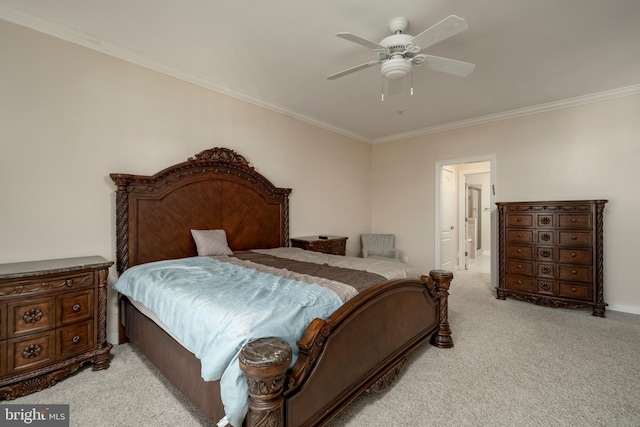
x: 265, y: 361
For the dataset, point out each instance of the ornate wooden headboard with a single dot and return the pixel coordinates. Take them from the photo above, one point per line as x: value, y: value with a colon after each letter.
x: 215, y: 189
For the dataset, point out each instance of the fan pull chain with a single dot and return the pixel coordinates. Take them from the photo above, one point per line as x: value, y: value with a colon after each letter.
x: 381, y: 88
x: 411, y: 84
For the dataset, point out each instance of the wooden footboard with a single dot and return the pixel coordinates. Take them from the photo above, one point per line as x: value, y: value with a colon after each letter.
x: 360, y: 348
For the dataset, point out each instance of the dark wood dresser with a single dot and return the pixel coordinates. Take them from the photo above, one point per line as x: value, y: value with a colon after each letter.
x: 336, y: 245
x: 550, y: 253
x: 53, y: 319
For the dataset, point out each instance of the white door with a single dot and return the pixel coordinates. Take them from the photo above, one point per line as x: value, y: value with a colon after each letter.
x: 447, y: 194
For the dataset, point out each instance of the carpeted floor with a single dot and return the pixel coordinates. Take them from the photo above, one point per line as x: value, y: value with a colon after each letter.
x: 513, y: 364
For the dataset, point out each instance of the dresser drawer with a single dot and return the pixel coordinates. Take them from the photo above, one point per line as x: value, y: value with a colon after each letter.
x: 545, y: 237
x: 576, y: 256
x: 520, y: 252
x: 575, y: 238
x: 74, y: 307
x: 519, y: 236
x: 519, y: 220
x: 547, y: 287
x: 575, y: 273
x: 545, y: 270
x: 30, y: 316
x: 545, y: 220
x: 523, y: 268
x: 575, y: 221
x: 74, y: 339
x: 519, y: 283
x: 46, y: 286
x: 544, y: 253
x: 30, y: 352
x: 575, y: 290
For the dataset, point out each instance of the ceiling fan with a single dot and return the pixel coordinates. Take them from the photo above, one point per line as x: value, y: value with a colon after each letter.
x: 398, y: 52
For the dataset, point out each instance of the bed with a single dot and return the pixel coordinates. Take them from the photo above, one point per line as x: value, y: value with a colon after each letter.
x: 360, y: 347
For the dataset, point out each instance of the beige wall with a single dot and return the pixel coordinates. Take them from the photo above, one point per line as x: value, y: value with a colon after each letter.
x: 585, y: 152
x: 69, y: 116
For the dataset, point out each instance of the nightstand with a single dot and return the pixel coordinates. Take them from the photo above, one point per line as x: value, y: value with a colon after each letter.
x: 335, y: 245
x: 53, y: 319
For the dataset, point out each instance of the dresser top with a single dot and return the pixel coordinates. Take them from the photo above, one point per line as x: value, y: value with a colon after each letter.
x: 554, y: 202
x: 17, y: 270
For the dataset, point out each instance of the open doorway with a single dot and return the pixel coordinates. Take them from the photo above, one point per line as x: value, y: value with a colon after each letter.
x: 465, y: 215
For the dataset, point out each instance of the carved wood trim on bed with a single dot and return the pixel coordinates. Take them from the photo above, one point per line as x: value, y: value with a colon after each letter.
x: 219, y: 189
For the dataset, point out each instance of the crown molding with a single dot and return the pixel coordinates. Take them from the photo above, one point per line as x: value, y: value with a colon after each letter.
x: 535, y: 109
x: 68, y: 34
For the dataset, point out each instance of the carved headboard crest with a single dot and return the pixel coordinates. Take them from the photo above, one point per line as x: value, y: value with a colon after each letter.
x: 222, y: 155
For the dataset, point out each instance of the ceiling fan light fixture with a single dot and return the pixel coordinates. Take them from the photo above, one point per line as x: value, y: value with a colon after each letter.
x: 396, y: 68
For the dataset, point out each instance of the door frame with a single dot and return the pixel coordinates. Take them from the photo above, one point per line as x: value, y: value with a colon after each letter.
x: 491, y: 158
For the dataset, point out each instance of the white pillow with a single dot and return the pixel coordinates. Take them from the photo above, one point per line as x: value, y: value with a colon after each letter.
x: 211, y: 242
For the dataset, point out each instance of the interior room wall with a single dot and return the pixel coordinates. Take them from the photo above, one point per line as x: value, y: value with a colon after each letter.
x: 588, y: 151
x: 69, y: 116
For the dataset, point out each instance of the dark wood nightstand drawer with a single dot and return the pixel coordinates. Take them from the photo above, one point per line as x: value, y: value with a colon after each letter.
x: 334, y: 245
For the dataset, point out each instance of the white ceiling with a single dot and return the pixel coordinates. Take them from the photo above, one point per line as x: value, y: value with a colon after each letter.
x: 529, y: 54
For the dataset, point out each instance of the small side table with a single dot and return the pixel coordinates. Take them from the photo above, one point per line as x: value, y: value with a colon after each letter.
x: 335, y: 245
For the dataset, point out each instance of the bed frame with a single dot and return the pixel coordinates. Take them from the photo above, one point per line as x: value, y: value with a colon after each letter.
x: 359, y: 348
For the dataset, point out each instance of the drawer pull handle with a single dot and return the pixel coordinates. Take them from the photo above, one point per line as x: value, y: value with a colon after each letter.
x: 519, y: 265
x: 32, y: 316
x: 76, y: 308
x: 519, y: 282
x: 76, y: 339
x: 519, y: 234
x: 574, y: 220
x: 573, y: 254
x: 519, y: 219
x: 573, y: 289
x: 519, y: 251
x: 574, y: 237
x: 574, y: 272
x: 31, y: 351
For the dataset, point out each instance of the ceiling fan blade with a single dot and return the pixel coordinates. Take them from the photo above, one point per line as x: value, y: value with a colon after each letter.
x: 446, y: 28
x: 446, y: 65
x: 352, y: 70
x: 361, y: 41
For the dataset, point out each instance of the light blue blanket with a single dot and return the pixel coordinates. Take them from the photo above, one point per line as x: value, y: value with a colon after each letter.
x: 215, y: 308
